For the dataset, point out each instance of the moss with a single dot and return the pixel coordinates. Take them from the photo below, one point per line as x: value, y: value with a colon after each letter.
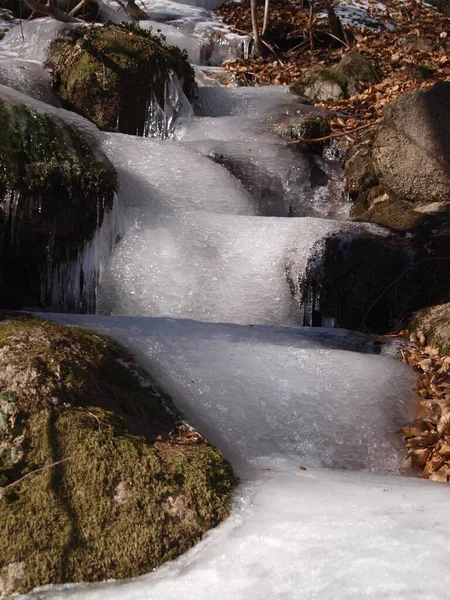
x: 51, y: 184
x: 120, y: 504
x: 108, y: 73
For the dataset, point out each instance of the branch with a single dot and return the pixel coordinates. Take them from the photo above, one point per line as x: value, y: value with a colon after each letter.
x: 77, y: 8
x: 58, y: 462
x: 49, y: 11
x: 133, y: 10
x: 331, y: 136
x: 266, y: 17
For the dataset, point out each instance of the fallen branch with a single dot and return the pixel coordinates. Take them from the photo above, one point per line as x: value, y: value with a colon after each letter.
x: 331, y: 136
x: 50, y: 11
x: 58, y: 462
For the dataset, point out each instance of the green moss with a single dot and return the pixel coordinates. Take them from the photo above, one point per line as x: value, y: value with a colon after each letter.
x: 119, y: 504
x: 108, y: 73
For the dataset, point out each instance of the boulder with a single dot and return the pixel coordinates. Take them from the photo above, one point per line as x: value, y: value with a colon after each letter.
x: 54, y: 190
x: 109, y: 74
x: 320, y: 84
x: 98, y: 478
x: 361, y: 281
x: 411, y: 149
x: 434, y: 323
x: 358, y: 70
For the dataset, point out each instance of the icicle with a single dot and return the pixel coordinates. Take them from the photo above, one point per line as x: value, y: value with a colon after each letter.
x: 161, y: 122
x: 75, y: 283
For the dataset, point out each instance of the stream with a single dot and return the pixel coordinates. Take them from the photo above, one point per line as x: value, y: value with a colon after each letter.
x: 189, y: 271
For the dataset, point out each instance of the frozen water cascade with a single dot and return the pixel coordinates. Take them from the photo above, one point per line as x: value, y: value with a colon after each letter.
x: 201, y: 230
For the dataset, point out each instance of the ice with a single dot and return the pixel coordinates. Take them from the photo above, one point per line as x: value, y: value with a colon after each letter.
x: 214, y: 267
x: 28, y: 78
x: 30, y: 41
x: 264, y: 101
x: 307, y: 535
x: 196, y: 183
x: 206, y: 39
x: 268, y: 396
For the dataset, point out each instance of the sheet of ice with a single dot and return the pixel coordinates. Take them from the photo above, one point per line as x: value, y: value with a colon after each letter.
x: 314, y: 535
x: 31, y: 40
x: 161, y: 177
x: 214, y: 267
x: 264, y: 101
x: 28, y: 78
x: 275, y: 397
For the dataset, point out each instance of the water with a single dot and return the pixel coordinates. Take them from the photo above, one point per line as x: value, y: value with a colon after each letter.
x: 190, y: 270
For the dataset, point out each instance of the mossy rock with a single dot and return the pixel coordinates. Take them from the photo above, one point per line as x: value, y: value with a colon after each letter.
x: 109, y: 73
x: 54, y: 190
x: 320, y: 84
x: 103, y: 484
x: 358, y: 70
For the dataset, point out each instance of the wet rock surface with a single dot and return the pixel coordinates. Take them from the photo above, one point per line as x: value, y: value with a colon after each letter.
x: 53, y: 194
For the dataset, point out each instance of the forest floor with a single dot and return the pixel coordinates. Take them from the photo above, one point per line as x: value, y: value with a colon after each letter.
x: 407, y: 42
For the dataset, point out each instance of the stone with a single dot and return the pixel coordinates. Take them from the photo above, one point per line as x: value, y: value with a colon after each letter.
x: 411, y: 148
x: 54, y: 190
x: 320, y: 84
x: 118, y: 487
x: 434, y: 322
x: 108, y: 73
x: 358, y: 70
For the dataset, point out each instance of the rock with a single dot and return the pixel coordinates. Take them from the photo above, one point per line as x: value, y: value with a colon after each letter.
x: 108, y: 74
x: 434, y: 323
x: 113, y: 488
x: 419, y: 44
x: 411, y: 149
x: 307, y: 127
x: 352, y: 286
x: 321, y: 85
x: 358, y: 70
x: 54, y: 190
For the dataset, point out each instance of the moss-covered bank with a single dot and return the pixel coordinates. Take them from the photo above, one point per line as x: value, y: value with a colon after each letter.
x: 53, y: 193
x: 132, y: 490
x: 109, y: 73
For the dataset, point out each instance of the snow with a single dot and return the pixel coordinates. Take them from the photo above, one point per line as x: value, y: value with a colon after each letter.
x: 307, y: 535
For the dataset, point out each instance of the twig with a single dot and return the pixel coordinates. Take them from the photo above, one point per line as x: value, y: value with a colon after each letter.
x: 273, y: 52
x: 51, y: 12
x: 77, y: 8
x: 331, y: 136
x: 336, y: 38
x: 58, y: 462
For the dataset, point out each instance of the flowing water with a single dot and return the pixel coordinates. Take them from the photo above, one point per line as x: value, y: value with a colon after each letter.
x: 189, y: 271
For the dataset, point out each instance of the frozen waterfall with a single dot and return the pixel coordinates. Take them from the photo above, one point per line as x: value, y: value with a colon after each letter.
x: 190, y: 272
